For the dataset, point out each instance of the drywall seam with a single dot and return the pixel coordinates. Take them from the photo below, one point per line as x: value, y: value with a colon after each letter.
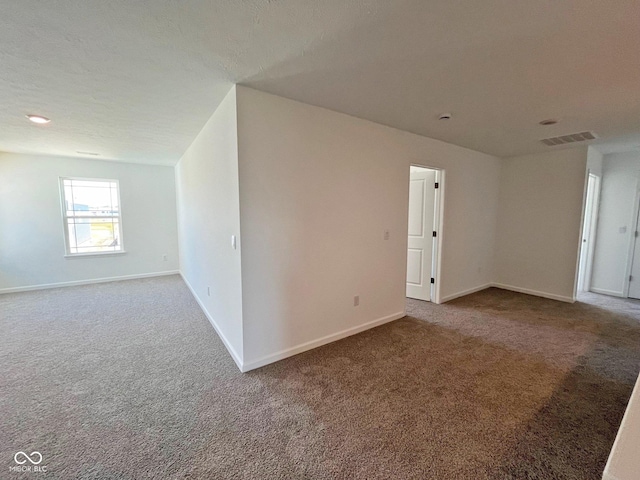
x: 289, y: 352
x: 75, y: 283
x: 466, y: 292
x: 227, y: 344
x: 536, y: 293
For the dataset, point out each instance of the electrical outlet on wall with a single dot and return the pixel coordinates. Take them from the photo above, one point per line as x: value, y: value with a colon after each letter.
x: 208, y: 291
x: 164, y: 257
x: 386, y: 234
x: 356, y: 300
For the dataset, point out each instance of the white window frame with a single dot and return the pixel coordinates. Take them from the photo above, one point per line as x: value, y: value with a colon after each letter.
x: 65, y: 218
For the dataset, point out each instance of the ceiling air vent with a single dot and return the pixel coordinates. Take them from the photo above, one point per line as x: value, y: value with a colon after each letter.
x: 571, y: 138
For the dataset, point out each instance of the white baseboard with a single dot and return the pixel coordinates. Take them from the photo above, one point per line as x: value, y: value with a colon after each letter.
x: 289, y: 352
x: 604, y: 291
x: 536, y: 293
x: 465, y: 292
x: 227, y: 344
x: 86, y: 282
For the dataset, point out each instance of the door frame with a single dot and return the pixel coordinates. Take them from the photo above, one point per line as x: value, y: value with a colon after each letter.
x: 632, y: 242
x: 438, y: 222
x: 590, y: 236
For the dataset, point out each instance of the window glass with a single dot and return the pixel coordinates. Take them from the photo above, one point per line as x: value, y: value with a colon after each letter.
x: 91, y: 215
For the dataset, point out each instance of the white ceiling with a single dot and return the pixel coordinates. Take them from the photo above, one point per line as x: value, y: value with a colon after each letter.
x: 136, y: 80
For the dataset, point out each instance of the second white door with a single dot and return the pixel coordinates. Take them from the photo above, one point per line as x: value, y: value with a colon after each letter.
x: 588, y: 233
x: 421, y: 228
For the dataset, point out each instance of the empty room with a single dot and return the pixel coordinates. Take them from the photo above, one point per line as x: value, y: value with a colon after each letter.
x: 319, y: 240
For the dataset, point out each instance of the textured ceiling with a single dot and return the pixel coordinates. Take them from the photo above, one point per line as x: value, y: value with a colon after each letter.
x: 137, y: 80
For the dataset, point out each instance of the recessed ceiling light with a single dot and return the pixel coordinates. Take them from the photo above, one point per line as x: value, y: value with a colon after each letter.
x: 444, y: 116
x: 38, y: 119
x: 549, y: 121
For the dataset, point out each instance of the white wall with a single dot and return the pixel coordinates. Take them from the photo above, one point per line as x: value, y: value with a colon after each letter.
x: 317, y: 191
x: 595, y: 161
x: 539, y: 222
x: 624, y: 461
x: 208, y: 214
x: 616, y: 222
x: 32, y: 244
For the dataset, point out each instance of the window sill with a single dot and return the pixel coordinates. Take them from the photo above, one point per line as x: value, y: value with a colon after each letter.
x: 94, y: 254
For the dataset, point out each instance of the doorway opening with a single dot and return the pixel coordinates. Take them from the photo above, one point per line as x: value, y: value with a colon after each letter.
x: 585, y: 265
x: 633, y: 282
x: 424, y: 227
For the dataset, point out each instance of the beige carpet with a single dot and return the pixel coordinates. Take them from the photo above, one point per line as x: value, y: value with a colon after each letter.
x: 128, y: 380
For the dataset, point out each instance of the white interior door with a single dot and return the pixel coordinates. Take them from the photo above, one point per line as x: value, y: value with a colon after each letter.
x: 588, y: 233
x: 634, y: 283
x: 420, y: 243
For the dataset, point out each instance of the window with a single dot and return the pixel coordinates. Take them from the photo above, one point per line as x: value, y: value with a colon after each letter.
x: 91, y: 213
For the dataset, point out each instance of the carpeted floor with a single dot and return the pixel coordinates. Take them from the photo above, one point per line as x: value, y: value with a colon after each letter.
x: 128, y: 380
